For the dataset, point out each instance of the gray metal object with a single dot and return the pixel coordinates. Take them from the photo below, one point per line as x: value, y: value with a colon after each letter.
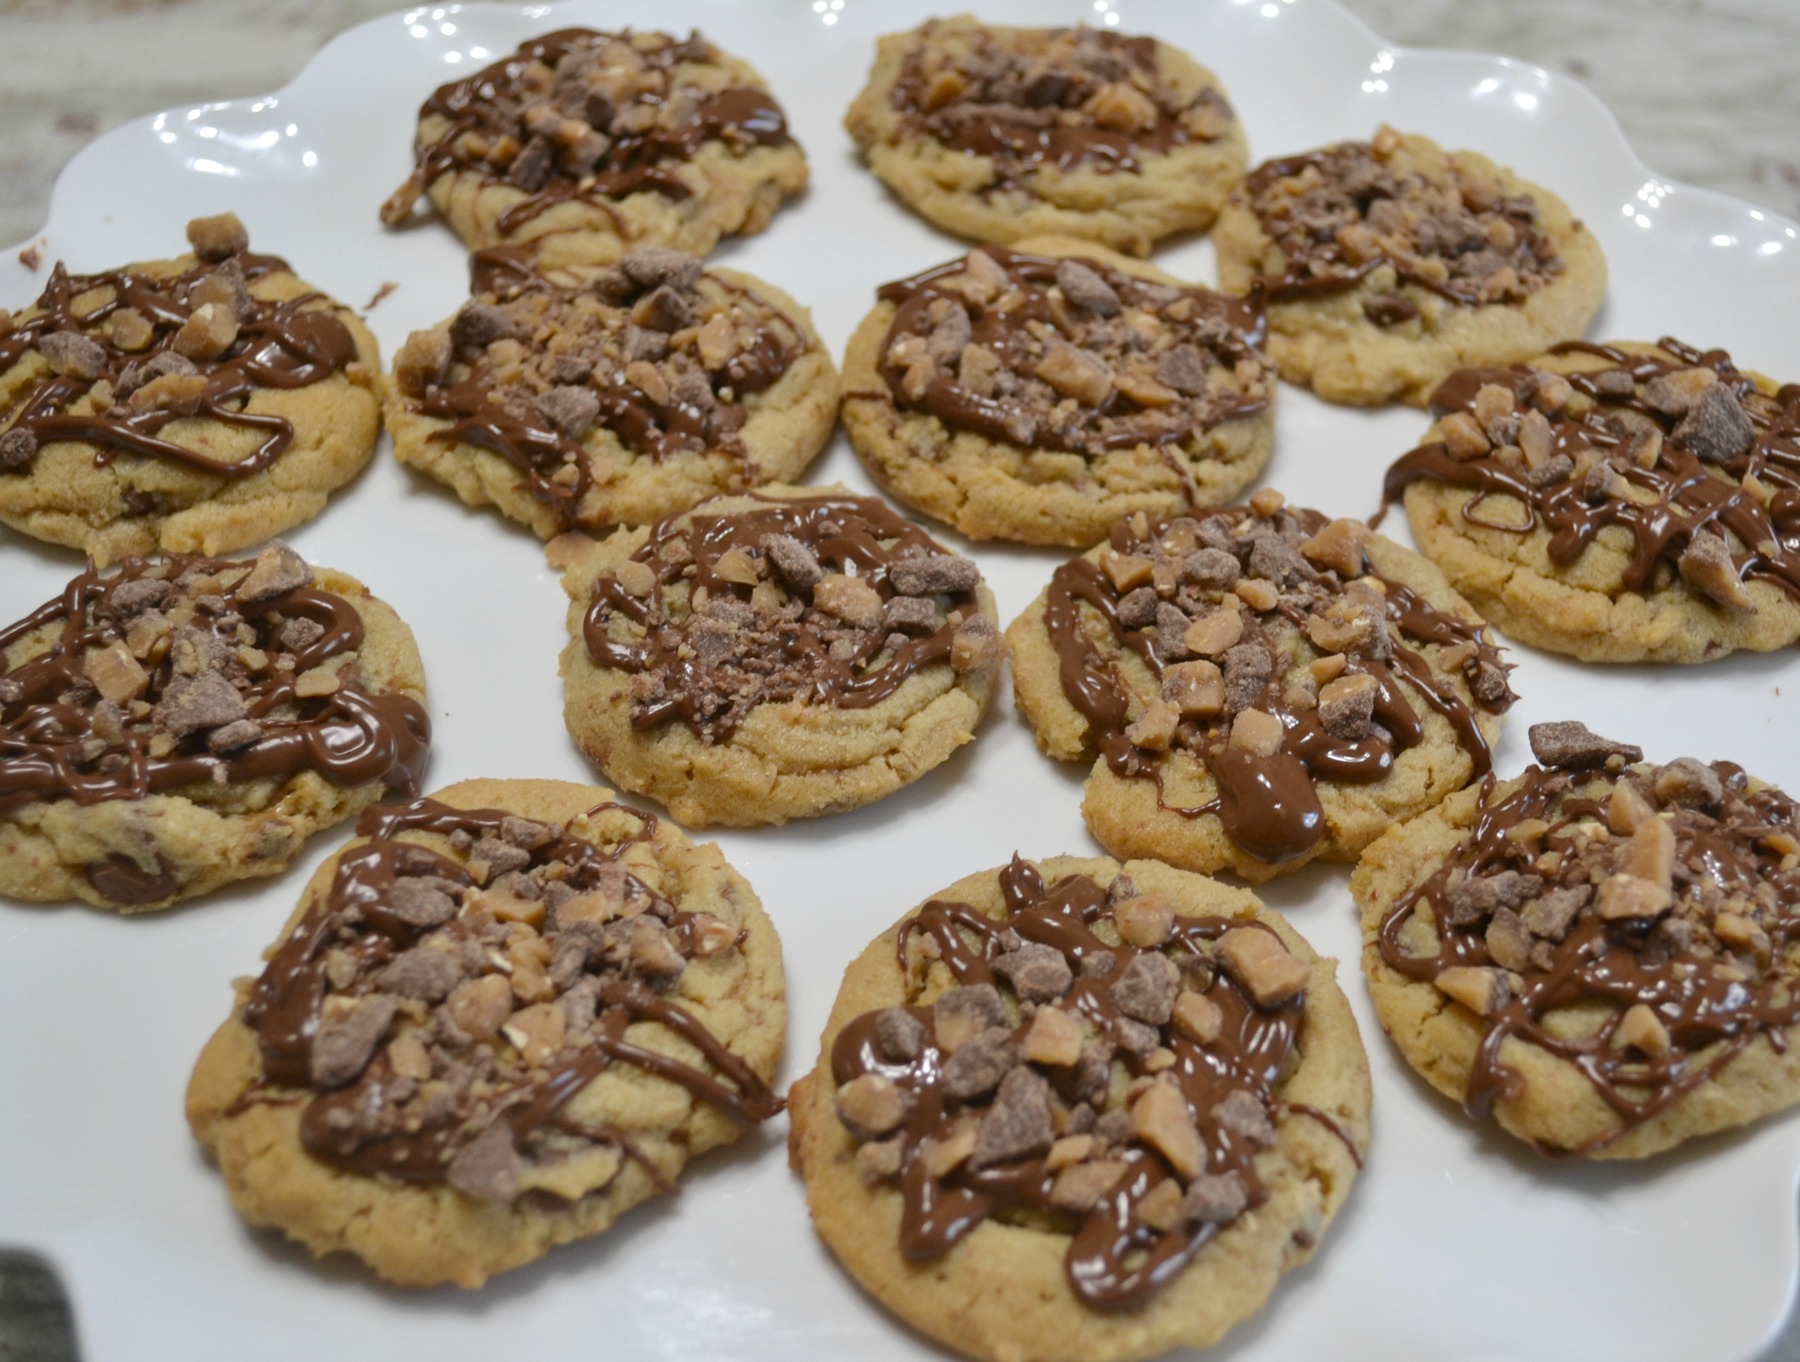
x: 36, y: 1323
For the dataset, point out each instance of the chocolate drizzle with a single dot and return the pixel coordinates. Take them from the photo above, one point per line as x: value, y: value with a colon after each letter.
x: 60, y: 740
x: 1665, y: 486
x: 1116, y: 1259
x: 1268, y: 802
x: 1340, y: 213
x: 416, y: 1118
x: 286, y: 344
x: 1711, y: 965
x: 753, y: 641
x: 1036, y: 98
x: 600, y: 143
x: 1204, y: 368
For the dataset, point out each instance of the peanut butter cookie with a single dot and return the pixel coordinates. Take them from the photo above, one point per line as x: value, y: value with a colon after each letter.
x: 178, y: 725
x: 794, y: 652
x: 499, y: 1019
x: 1002, y: 133
x: 1619, y: 503
x: 1039, y: 393
x: 1078, y: 1110
x: 1262, y: 686
x: 591, y: 398
x: 1390, y: 263
x: 582, y: 145
x: 1597, y: 954
x: 196, y: 405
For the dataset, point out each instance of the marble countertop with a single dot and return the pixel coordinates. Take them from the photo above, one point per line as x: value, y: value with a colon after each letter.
x: 1704, y: 90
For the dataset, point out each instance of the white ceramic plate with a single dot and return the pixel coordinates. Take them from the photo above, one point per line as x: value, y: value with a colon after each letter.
x: 1455, y: 1242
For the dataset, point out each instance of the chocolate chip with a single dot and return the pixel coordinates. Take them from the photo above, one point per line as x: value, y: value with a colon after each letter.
x: 1082, y: 286
x: 900, y: 1035
x: 647, y: 345
x: 500, y: 856
x: 914, y: 614
x: 1474, y: 899
x: 1690, y: 784
x: 526, y: 832
x: 1046, y: 90
x: 572, y: 410
x: 1137, y: 608
x: 299, y: 634
x: 1247, y: 1118
x: 277, y: 571
x: 1214, y: 1199
x: 1570, y: 744
x: 1273, y: 558
x: 1017, y: 1126
x: 488, y: 1167
x: 1389, y: 309
x: 651, y: 267
x: 978, y: 1066
x: 1488, y: 684
x: 1210, y: 569
x: 663, y: 310
x: 1551, y: 915
x: 1508, y: 942
x: 421, y: 973
x: 797, y: 563
x: 204, y: 701
x: 1716, y: 428
x: 1346, y: 711
x: 233, y: 736
x: 1248, y: 667
x: 1038, y: 973
x: 1172, y: 624
x: 930, y: 575
x: 17, y: 447
x: 1145, y: 990
x: 419, y: 904
x: 1088, y: 1077
x: 130, y: 599
x: 1184, y: 370
x: 533, y: 166
x: 343, y: 1046
x: 479, y: 324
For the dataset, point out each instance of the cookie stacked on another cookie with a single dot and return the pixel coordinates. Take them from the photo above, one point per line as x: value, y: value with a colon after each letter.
x: 1074, y: 1109
x: 1390, y: 263
x: 1262, y: 686
x: 500, y: 1018
x: 589, y: 398
x: 201, y: 404
x: 794, y: 652
x: 179, y: 725
x: 1599, y: 953
x: 584, y: 144
x: 1040, y: 392
x: 1619, y: 503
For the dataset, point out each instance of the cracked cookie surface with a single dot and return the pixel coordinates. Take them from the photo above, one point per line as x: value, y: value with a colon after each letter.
x: 795, y: 652
x: 998, y: 134
x: 195, y: 405
x: 499, y: 1019
x: 1077, y: 1109
x: 1040, y: 392
x: 177, y: 725
x: 1390, y: 263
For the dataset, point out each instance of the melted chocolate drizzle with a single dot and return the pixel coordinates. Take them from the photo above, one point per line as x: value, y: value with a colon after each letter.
x: 1115, y: 1261
x: 286, y: 1004
x: 1223, y: 329
x: 486, y: 104
x: 858, y: 536
x: 1269, y: 806
x: 1689, y: 496
x: 50, y: 749
x: 287, y: 344
x: 1701, y: 998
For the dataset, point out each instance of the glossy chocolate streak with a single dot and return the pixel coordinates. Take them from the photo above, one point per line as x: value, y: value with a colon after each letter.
x: 487, y: 103
x: 657, y: 430
x: 857, y: 536
x: 285, y: 1005
x: 348, y: 738
x: 1703, y: 1000
x: 1249, y: 1055
x: 289, y: 344
x: 1007, y: 334
x: 1689, y: 495
x: 1020, y: 138
x: 1269, y: 806
x: 1321, y: 269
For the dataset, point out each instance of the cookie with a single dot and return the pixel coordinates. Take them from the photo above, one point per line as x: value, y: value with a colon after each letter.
x: 1597, y: 954
x: 612, y: 396
x: 1074, y: 1110
x: 503, y: 1016
x: 1389, y: 264
x: 1618, y: 503
x: 196, y: 405
x: 998, y: 134
x: 178, y: 725
x: 582, y: 145
x: 1037, y: 394
x: 794, y: 652
x: 1262, y: 686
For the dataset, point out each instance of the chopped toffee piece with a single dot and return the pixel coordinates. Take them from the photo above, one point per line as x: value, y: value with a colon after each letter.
x: 1070, y: 355
x: 1678, y: 448
x: 971, y: 1109
x: 1237, y: 593
x: 441, y: 1016
x: 138, y: 350
x: 1661, y: 904
x: 190, y: 670
x: 832, y: 598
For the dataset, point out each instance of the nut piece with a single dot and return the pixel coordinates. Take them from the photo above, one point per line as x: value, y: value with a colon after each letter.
x: 277, y: 570
x: 1642, y: 1030
x: 209, y: 332
x: 1197, y: 1016
x: 1161, y: 1119
x: 1259, y: 733
x: 1627, y: 896
x: 116, y: 673
x: 217, y: 238
x: 536, y: 1032
x: 1195, y: 688
x: 1155, y: 728
x: 1144, y: 921
x: 1626, y: 808
x: 1483, y: 991
x: 1079, y: 1188
x: 1339, y: 546
x: 1076, y: 373
x: 1650, y: 855
x: 871, y: 1105
x: 1054, y: 1038
x: 1262, y: 963
x: 961, y: 1014
x: 1689, y: 783
x: 1215, y: 634
x: 480, y: 1007
x: 850, y: 599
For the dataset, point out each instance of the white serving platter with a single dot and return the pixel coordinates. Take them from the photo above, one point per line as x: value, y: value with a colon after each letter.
x: 1455, y: 1242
